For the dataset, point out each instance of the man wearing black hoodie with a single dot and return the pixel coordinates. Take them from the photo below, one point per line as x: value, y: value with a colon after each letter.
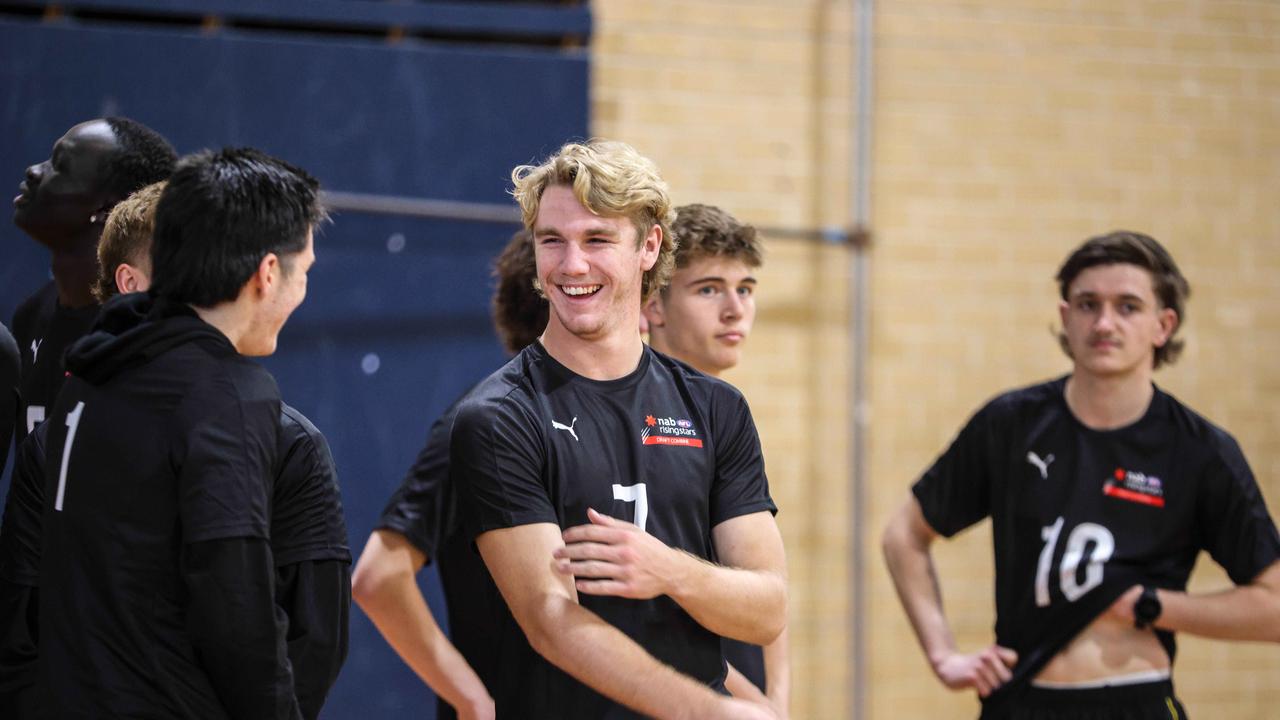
x: 157, y: 577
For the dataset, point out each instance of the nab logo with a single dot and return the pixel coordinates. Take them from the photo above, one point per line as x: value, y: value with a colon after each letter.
x: 1135, y: 487
x: 669, y: 431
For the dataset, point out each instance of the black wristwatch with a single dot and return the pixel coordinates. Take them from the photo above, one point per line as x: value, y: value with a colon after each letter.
x: 1147, y: 608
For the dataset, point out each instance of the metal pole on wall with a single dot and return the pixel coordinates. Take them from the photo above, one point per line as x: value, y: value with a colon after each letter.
x: 859, y: 315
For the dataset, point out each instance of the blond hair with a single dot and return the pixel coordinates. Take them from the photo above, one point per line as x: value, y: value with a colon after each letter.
x: 610, y: 179
x: 126, y: 237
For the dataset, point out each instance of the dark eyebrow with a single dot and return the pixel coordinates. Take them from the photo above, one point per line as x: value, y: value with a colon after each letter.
x: 1128, y: 297
x: 708, y: 278
x: 717, y: 278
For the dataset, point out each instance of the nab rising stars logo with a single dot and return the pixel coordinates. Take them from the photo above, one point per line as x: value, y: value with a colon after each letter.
x: 1135, y: 487
x: 669, y: 431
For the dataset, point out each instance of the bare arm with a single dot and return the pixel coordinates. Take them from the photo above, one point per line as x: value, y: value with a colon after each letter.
x: 744, y: 599
x: 777, y: 673
x: 906, y: 543
x: 777, y: 666
x: 579, y: 642
x: 1245, y: 612
x: 740, y: 687
x: 385, y: 588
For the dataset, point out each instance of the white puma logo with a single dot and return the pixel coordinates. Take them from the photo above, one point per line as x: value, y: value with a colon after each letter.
x: 35, y: 349
x: 569, y: 427
x: 1042, y: 465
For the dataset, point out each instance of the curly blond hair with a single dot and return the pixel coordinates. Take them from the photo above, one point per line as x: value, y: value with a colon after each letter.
x: 610, y: 179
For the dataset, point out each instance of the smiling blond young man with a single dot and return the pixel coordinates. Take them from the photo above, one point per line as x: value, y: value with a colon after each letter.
x: 1102, y: 489
x: 597, y: 476
x: 703, y: 317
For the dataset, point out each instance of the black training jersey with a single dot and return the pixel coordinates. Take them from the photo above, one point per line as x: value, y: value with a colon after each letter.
x: 20, y: 531
x: 21, y: 695
x: 162, y: 442
x: 306, y: 504
x: 313, y: 562
x: 10, y: 379
x: 1081, y: 515
x: 670, y: 449
x: 424, y: 509
x: 44, y: 329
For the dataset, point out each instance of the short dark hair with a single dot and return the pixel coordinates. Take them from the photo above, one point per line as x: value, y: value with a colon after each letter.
x: 707, y: 231
x: 144, y: 157
x: 220, y: 215
x: 1132, y: 248
x: 519, y: 310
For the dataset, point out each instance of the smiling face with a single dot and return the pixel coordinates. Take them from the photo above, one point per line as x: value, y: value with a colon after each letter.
x: 1113, y: 322
x: 706, y: 314
x: 590, y: 268
x: 59, y: 195
x: 283, y: 290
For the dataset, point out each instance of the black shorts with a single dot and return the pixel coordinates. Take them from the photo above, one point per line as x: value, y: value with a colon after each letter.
x: 1143, y: 701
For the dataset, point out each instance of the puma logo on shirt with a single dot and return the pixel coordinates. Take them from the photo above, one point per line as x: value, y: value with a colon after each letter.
x: 569, y: 427
x: 1041, y: 465
x: 35, y: 349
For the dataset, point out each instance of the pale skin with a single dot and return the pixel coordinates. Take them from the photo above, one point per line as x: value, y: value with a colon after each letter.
x: 384, y: 586
x: 590, y: 267
x: 1113, y: 323
x: 252, y: 322
x: 703, y: 318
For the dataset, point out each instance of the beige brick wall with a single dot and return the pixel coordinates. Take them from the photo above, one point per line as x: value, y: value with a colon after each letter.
x: 1006, y: 132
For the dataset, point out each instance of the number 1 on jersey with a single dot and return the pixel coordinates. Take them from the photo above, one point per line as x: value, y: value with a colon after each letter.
x: 636, y: 494
x: 73, y: 422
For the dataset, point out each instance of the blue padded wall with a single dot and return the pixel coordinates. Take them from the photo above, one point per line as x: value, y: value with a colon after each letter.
x: 395, y: 325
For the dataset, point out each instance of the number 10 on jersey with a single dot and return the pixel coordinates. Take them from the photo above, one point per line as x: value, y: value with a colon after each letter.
x: 1081, y: 535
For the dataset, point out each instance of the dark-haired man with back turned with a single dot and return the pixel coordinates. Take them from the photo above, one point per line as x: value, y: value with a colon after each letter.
x: 157, y: 577
x: 1102, y: 490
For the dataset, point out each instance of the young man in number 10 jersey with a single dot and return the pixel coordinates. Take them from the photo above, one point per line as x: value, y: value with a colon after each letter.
x: 1102, y: 490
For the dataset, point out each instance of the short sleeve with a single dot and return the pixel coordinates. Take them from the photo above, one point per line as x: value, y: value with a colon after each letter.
x: 1238, y: 532
x: 496, y: 464
x: 20, y: 531
x: 955, y: 492
x: 10, y: 379
x: 229, y: 434
x: 741, y: 486
x: 424, y: 508
x: 306, y: 506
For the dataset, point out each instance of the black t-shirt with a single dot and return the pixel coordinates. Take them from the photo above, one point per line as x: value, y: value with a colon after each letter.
x: 160, y: 455
x: 10, y: 379
x: 424, y: 509
x: 20, y: 531
x: 44, y: 329
x: 1081, y: 515
x: 21, y: 695
x: 670, y: 449
x: 313, y: 562
x: 308, y: 540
